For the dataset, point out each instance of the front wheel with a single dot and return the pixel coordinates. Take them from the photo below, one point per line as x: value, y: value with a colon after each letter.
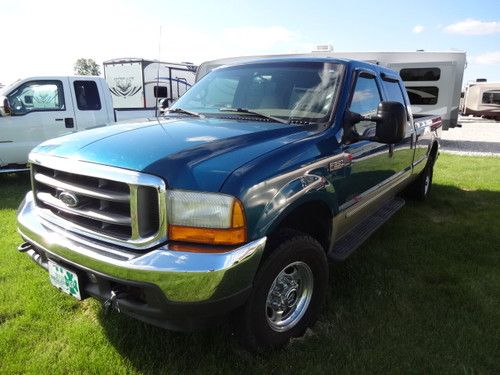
x: 288, y: 292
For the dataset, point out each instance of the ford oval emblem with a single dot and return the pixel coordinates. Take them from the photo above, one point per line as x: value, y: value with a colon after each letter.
x: 69, y: 199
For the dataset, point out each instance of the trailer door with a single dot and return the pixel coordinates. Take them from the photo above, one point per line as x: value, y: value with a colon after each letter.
x: 126, y: 83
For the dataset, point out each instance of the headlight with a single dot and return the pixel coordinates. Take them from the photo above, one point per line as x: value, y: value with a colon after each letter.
x: 205, y: 218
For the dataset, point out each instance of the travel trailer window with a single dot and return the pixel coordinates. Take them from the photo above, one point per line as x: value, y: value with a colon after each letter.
x: 420, y: 74
x: 37, y: 96
x: 87, y: 96
x: 491, y: 97
x: 423, y: 95
x: 160, y: 91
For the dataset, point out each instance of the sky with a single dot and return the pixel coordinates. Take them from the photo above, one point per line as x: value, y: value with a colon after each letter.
x: 47, y: 37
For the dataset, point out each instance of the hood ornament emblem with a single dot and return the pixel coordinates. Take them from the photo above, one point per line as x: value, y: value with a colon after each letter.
x: 68, y: 198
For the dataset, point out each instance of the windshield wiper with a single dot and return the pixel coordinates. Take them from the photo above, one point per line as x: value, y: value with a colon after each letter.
x: 185, y: 111
x: 252, y: 112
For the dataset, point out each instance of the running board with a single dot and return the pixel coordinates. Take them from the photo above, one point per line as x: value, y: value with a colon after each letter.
x: 346, y: 245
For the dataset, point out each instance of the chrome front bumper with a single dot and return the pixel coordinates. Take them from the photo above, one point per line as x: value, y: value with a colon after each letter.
x: 183, y: 276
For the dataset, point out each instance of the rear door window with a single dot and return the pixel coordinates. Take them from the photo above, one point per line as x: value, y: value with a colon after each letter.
x: 87, y: 96
x: 393, y: 91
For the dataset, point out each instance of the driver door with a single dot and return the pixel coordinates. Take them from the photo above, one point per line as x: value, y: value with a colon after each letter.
x: 41, y: 109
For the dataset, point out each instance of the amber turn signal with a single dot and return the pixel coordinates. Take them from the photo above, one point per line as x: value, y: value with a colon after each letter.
x: 235, y: 235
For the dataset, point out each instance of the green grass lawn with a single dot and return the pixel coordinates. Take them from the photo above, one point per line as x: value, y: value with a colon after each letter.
x: 421, y: 296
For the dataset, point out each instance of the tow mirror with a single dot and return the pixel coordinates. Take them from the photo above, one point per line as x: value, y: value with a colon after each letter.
x: 391, y: 122
x: 390, y: 119
x: 5, y: 108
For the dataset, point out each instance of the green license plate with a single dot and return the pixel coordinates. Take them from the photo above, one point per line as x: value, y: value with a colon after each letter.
x: 64, y: 280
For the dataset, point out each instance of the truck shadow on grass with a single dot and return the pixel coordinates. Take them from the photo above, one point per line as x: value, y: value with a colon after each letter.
x: 401, y: 303
x: 13, y: 188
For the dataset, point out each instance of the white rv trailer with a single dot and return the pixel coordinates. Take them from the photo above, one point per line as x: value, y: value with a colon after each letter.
x: 140, y: 85
x: 433, y: 79
x: 482, y: 99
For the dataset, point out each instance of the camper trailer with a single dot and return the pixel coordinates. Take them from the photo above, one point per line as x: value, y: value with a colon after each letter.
x: 482, y: 99
x: 433, y: 79
x: 141, y: 85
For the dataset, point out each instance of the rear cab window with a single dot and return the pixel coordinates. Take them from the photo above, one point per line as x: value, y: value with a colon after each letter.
x: 87, y: 96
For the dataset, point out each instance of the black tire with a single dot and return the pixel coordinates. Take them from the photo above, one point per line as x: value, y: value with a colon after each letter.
x: 420, y: 188
x: 255, y: 326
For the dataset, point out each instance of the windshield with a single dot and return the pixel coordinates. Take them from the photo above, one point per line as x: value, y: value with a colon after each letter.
x: 293, y: 91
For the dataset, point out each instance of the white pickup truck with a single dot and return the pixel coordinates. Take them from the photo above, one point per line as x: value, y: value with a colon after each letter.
x: 35, y: 109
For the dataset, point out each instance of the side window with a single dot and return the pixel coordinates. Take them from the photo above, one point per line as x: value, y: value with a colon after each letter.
x: 37, y: 96
x: 393, y: 91
x: 365, y: 100
x: 160, y: 91
x: 87, y: 96
x: 491, y: 97
x: 423, y: 95
x: 420, y: 74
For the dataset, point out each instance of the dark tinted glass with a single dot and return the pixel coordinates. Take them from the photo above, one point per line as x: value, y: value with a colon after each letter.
x: 420, y: 74
x: 425, y: 95
x: 160, y: 92
x: 394, y: 93
x: 87, y: 96
x: 491, y: 97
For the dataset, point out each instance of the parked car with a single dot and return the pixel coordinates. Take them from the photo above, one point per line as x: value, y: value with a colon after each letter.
x: 235, y: 200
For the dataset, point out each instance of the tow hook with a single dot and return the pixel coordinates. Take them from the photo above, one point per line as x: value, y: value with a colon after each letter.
x: 112, y: 302
x: 24, y: 247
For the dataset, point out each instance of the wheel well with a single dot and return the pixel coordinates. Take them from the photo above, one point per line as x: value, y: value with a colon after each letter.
x: 312, y: 218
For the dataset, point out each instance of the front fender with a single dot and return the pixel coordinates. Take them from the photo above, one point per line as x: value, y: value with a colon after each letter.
x: 282, y: 199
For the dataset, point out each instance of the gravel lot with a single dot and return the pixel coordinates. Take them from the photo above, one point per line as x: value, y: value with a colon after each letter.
x: 477, y: 136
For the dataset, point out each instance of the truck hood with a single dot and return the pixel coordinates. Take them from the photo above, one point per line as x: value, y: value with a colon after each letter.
x: 189, y: 153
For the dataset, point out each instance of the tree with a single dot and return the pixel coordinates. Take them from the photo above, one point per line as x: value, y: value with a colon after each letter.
x: 87, y: 67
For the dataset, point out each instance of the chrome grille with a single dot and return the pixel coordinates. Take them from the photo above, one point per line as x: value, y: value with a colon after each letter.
x: 106, y: 203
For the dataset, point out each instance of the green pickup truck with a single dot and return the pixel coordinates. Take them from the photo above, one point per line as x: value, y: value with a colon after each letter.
x: 233, y: 201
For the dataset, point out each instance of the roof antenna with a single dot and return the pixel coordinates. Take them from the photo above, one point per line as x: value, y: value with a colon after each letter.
x: 158, y: 76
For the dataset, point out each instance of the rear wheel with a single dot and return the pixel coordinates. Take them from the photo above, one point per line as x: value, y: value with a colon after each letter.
x: 288, y: 292
x: 421, y: 187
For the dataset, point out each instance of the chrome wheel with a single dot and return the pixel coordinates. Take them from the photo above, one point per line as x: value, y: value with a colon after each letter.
x: 289, y: 296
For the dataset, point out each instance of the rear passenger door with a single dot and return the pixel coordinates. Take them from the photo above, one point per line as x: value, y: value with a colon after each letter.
x: 402, y: 154
x: 90, y: 110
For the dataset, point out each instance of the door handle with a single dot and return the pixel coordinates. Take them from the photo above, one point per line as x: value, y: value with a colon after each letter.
x: 68, y: 121
x: 59, y: 119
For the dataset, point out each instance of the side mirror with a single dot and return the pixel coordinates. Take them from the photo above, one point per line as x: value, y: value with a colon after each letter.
x: 390, y: 119
x: 5, y: 107
x: 391, y: 122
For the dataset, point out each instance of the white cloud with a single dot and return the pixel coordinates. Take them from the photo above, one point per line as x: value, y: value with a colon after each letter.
x: 472, y: 26
x: 489, y: 58
x: 417, y: 29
